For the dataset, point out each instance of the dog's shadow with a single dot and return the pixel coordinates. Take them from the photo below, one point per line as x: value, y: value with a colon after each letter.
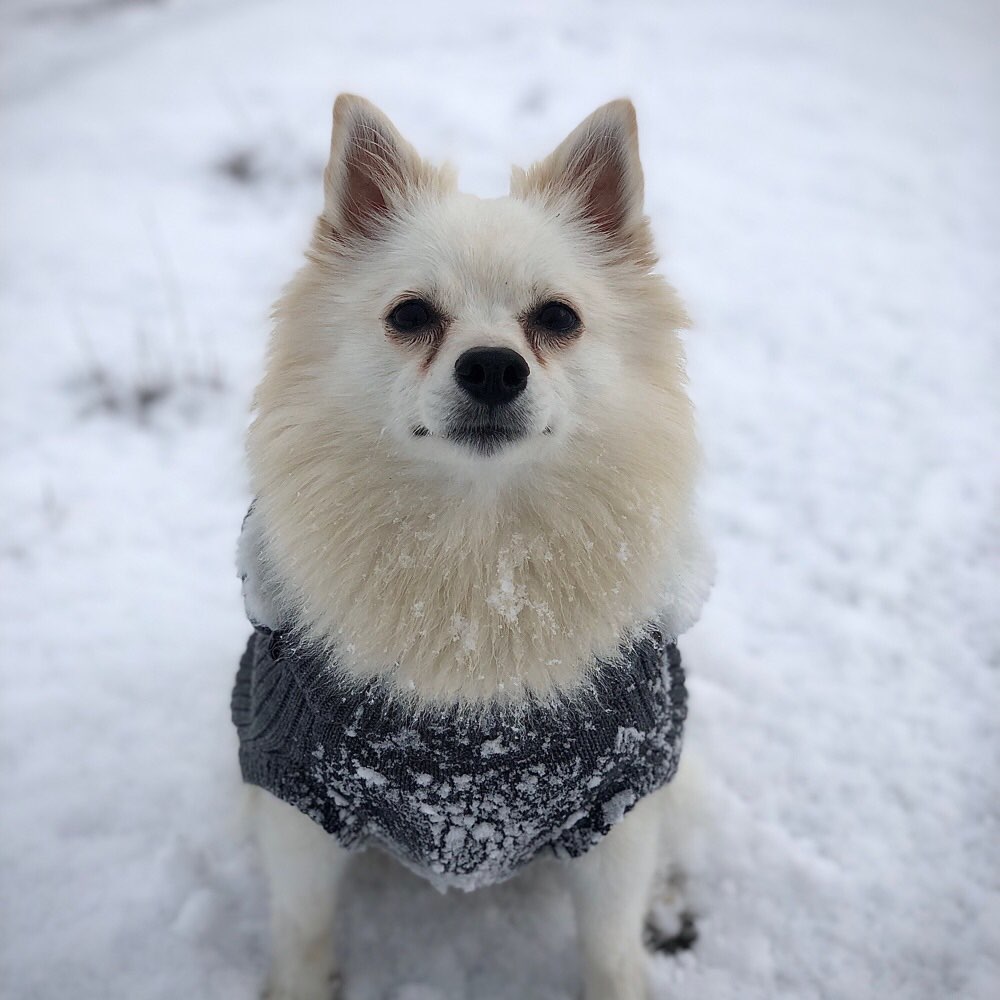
x: 403, y: 940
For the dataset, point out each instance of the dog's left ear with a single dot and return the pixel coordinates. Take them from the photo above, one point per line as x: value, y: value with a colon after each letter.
x: 372, y: 173
x: 596, y: 169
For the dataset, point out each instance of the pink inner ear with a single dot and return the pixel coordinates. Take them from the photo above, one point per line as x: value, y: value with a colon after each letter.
x: 363, y: 201
x: 604, y: 202
x: 599, y: 172
x: 372, y: 171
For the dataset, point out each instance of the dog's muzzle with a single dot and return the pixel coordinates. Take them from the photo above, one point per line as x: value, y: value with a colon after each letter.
x: 488, y: 416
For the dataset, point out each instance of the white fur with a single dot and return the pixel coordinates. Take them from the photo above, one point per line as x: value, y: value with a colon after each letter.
x: 611, y: 886
x: 304, y: 865
x: 455, y: 576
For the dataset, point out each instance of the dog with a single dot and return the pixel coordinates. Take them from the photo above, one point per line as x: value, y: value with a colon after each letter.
x: 473, y: 542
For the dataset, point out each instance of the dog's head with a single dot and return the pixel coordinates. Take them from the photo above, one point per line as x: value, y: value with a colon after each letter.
x: 483, y: 334
x: 475, y: 413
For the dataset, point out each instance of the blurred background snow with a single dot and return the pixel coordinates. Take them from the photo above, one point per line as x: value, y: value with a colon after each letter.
x: 823, y: 181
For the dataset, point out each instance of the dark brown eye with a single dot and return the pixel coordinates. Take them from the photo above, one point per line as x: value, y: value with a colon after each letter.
x: 414, y: 316
x: 556, y: 318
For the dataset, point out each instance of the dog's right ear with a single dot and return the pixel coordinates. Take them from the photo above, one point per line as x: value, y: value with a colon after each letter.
x: 596, y: 170
x: 373, y: 171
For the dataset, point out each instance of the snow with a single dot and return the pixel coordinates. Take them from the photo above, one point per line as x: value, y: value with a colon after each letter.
x: 371, y: 777
x: 822, y: 179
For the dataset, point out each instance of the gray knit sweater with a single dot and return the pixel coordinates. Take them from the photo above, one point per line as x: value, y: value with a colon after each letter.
x: 463, y: 799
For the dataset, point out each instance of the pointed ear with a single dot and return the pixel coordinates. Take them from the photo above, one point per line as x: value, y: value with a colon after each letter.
x: 597, y: 168
x: 372, y: 171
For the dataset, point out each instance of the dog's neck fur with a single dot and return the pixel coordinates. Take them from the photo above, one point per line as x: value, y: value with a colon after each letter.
x: 460, y: 591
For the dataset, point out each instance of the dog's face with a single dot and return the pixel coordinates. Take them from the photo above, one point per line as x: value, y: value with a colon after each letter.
x: 481, y: 335
x: 481, y: 310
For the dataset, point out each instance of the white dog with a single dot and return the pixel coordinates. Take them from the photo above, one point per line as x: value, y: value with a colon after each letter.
x: 472, y: 545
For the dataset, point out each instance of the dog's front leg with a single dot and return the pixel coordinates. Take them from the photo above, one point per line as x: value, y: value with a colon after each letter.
x: 303, y: 864
x: 611, y: 886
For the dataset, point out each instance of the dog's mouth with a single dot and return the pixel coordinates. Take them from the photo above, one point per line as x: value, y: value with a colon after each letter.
x: 485, y: 439
x: 481, y: 437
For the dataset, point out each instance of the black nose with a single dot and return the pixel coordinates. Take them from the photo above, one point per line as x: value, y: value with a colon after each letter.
x: 492, y: 375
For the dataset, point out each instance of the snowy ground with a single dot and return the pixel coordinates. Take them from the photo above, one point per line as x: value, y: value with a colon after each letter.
x: 824, y: 182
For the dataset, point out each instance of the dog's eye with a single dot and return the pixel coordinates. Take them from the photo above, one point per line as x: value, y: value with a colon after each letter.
x: 557, y: 318
x: 411, y: 316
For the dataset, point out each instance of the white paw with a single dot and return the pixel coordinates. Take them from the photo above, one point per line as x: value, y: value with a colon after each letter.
x: 620, y: 991
x: 624, y: 981
x: 302, y: 985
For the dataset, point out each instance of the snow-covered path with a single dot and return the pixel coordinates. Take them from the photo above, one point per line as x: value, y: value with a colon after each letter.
x: 823, y: 179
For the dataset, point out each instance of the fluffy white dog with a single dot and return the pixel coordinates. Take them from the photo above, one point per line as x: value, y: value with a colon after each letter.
x: 472, y: 545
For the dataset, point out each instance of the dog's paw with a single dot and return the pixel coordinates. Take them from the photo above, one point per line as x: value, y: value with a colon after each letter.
x: 302, y: 987
x: 630, y: 985
x: 616, y: 977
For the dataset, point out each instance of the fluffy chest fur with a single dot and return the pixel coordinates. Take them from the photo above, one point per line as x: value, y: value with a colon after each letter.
x: 476, y: 595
